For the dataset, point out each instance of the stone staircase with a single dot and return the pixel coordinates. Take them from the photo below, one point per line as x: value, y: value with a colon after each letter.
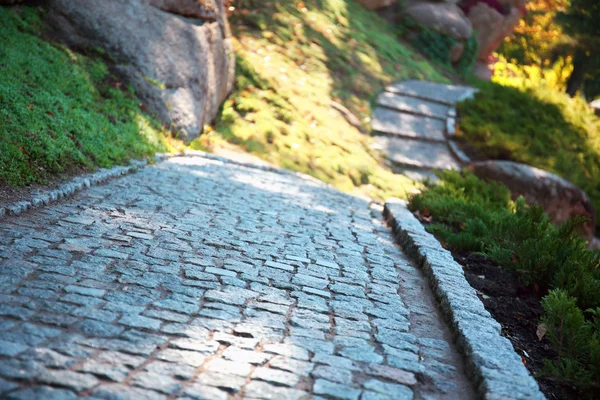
x: 414, y: 126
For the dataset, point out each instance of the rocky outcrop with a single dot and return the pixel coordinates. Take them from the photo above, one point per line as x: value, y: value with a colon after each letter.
x: 595, y: 106
x: 560, y: 199
x: 493, y: 25
x: 376, y: 4
x: 447, y: 18
x: 177, y: 54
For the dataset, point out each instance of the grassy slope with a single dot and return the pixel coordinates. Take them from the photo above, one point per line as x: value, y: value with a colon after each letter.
x: 295, y: 58
x: 59, y: 111
x: 537, y: 126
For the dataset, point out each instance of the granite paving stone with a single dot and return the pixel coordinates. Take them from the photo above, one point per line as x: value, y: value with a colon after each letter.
x: 413, y: 105
x: 439, y: 92
x: 418, y: 154
x: 335, y: 390
x: 215, y: 280
x: 402, y: 124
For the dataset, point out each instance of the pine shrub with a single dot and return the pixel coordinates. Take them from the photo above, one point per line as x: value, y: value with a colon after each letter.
x: 468, y: 214
x: 574, y: 338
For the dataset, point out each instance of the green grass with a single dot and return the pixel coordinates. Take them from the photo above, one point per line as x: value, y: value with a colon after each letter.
x: 293, y: 61
x: 536, y: 126
x: 60, y: 111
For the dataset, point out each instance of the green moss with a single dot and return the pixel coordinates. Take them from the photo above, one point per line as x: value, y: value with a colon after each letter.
x: 292, y: 62
x: 61, y: 111
x: 535, y: 126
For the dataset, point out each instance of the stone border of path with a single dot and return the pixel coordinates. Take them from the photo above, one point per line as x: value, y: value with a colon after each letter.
x: 492, y: 363
x: 104, y: 175
x: 75, y: 185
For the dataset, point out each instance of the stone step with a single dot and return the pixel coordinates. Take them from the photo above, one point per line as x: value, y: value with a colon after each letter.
x: 418, y: 175
x: 416, y: 153
x: 413, y: 105
x: 396, y: 123
x: 436, y: 92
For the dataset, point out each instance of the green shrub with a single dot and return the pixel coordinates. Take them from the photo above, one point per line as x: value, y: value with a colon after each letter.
x: 536, y: 126
x: 436, y: 46
x: 463, y: 208
x: 469, y: 214
x: 575, y: 340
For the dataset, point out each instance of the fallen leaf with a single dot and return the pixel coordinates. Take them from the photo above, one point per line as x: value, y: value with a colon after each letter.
x: 50, y: 113
x: 541, y: 331
x: 523, y: 360
x: 30, y: 106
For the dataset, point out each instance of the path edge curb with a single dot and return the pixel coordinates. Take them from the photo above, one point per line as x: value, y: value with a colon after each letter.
x: 495, y: 369
x: 104, y: 175
x: 73, y: 186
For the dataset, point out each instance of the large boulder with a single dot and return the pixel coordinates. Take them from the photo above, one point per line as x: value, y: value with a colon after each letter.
x: 560, y: 199
x: 446, y: 18
x: 377, y: 4
x: 177, y: 54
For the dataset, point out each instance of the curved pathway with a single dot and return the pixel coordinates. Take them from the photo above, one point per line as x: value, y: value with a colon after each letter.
x: 201, y: 279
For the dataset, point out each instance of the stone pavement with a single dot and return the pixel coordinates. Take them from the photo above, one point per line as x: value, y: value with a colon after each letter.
x: 198, y: 279
x: 414, y: 125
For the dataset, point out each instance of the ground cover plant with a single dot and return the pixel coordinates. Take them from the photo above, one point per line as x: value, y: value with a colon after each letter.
x: 474, y: 217
x: 437, y: 46
x: 294, y: 59
x: 60, y: 111
x: 527, y: 122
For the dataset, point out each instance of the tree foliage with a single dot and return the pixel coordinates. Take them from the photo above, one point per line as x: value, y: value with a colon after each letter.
x: 581, y: 22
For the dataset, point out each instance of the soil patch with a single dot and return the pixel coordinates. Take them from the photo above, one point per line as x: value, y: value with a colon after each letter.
x: 518, y: 309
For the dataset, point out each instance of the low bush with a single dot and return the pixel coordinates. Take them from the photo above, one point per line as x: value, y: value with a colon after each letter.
x: 575, y: 339
x: 537, y: 126
x: 437, y: 46
x: 468, y: 214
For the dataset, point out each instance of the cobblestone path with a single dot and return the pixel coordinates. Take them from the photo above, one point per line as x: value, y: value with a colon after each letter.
x: 197, y: 279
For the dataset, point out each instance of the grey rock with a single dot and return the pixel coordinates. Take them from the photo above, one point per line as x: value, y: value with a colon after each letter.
x: 275, y: 376
x: 11, y: 349
x: 362, y: 353
x: 392, y: 122
x: 181, y: 68
x: 442, y: 93
x: 333, y: 374
x: 42, y: 392
x: 561, y: 199
x: 335, y: 390
x: 70, y: 379
x: 297, y: 367
x: 417, y: 154
x: 119, y: 391
x: 391, y: 389
x: 263, y: 390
